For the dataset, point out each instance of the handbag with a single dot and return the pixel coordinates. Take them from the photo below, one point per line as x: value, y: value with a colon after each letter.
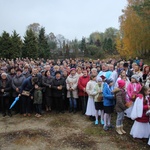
x: 129, y: 104
x: 99, y: 98
x: 6, y: 94
x: 25, y: 93
x: 134, y: 96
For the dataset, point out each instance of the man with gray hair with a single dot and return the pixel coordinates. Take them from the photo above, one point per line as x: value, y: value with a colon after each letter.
x: 104, y: 72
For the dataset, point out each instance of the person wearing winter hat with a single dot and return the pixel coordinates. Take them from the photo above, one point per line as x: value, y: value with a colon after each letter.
x: 109, y: 102
x: 72, y: 69
x: 136, y: 77
x: 72, y: 90
x: 58, y: 86
x: 108, y: 81
x: 120, y: 106
x: 121, y: 84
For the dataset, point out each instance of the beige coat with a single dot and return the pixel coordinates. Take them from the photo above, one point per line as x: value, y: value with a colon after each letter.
x: 72, y: 82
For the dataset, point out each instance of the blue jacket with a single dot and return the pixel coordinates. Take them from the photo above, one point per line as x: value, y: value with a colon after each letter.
x: 108, y: 97
x: 27, y: 85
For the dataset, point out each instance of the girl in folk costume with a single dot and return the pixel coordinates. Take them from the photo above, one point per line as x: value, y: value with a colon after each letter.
x: 90, y: 110
x: 132, y: 90
x: 72, y: 91
x: 98, y: 98
x: 141, y: 127
x: 148, y: 112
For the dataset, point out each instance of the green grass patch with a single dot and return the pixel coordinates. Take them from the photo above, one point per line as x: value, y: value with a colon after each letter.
x: 95, y: 131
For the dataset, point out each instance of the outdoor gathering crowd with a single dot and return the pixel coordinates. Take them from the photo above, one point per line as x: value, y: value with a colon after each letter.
x: 94, y: 87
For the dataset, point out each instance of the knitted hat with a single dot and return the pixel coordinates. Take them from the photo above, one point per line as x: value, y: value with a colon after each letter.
x: 42, y: 71
x: 108, y: 81
x: 136, y: 77
x: 72, y: 69
x: 99, y: 79
x: 121, y: 83
x: 4, y: 74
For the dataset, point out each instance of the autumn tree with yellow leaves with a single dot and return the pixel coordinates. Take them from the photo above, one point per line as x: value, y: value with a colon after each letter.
x: 134, y: 36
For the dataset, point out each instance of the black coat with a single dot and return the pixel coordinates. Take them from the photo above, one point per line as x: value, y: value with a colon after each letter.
x: 55, y: 84
x: 47, y: 83
x: 6, y: 85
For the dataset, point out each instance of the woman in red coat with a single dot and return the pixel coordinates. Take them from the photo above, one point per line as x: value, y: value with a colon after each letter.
x: 83, y: 96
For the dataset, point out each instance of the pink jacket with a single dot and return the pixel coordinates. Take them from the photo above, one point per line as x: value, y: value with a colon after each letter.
x: 133, y: 88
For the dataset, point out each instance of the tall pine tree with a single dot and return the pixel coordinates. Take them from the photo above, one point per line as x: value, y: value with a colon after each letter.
x: 16, y: 45
x: 43, y: 46
x: 5, y: 45
x: 30, y: 45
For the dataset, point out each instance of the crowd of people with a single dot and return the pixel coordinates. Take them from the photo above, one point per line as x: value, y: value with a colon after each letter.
x: 94, y: 87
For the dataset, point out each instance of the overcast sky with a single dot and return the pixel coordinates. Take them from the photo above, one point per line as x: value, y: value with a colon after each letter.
x: 71, y: 18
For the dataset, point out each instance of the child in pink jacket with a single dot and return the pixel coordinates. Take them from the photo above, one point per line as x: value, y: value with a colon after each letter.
x: 133, y: 89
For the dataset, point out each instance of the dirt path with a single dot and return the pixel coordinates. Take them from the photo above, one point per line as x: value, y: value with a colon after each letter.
x: 52, y: 132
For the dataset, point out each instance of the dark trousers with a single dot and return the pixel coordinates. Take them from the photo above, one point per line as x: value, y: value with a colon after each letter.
x: 5, y: 104
x: 26, y: 104
x: 17, y: 107
x: 59, y: 102
x: 49, y: 101
x: 83, y: 100
x: 38, y: 108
